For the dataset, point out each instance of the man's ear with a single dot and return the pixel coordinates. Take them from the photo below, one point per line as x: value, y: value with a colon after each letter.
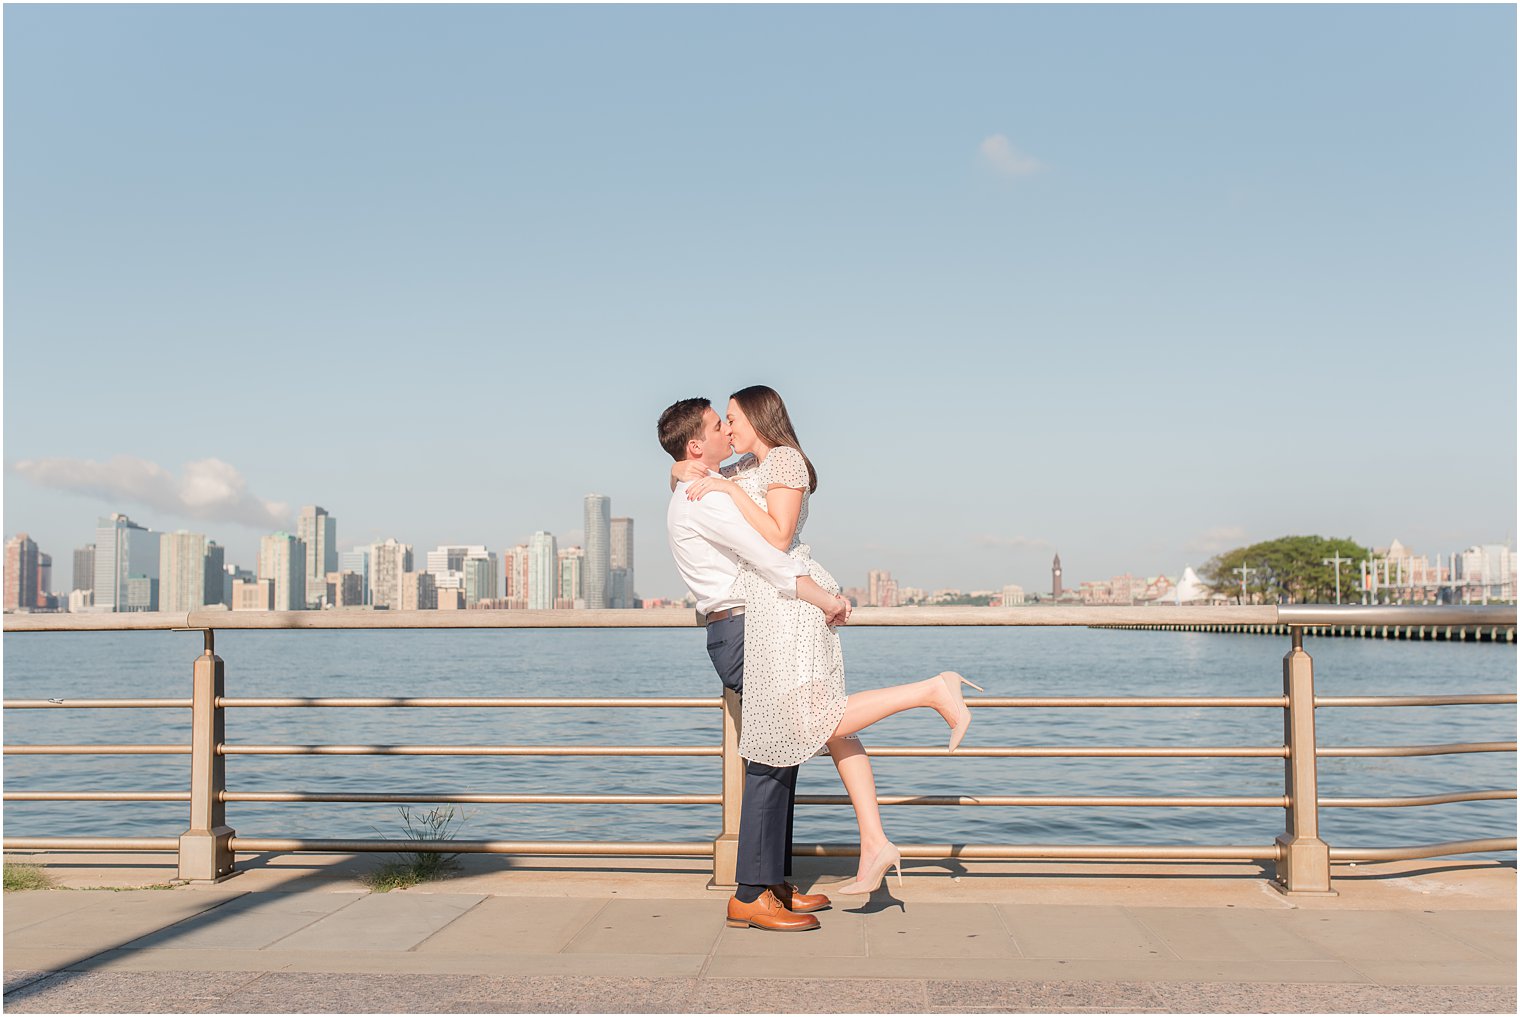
x: 694, y: 449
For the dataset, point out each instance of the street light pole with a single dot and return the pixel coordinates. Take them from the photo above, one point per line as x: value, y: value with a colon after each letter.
x: 1244, y: 573
x: 1337, y: 562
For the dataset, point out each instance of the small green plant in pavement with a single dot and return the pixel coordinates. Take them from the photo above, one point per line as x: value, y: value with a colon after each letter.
x: 26, y: 877
x: 438, y: 823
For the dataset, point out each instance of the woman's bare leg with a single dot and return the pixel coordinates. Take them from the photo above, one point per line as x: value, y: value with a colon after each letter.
x: 855, y: 771
x: 862, y: 709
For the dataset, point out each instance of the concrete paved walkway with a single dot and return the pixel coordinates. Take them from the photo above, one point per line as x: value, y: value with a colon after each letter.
x: 303, y: 934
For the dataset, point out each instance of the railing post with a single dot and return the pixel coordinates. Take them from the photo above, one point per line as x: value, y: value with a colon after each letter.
x: 726, y: 846
x: 205, y: 851
x: 1303, y: 865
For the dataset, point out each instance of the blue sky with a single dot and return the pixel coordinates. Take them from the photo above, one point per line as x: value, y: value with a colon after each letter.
x: 1132, y: 283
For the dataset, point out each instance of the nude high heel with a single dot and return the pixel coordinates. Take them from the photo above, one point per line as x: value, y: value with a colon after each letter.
x: 953, y: 682
x: 888, y: 856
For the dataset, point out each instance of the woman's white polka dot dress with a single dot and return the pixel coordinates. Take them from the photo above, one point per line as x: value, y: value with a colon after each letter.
x: 793, y: 666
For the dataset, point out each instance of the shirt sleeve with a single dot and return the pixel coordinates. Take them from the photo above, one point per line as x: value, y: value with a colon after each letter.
x: 788, y: 468
x: 718, y: 519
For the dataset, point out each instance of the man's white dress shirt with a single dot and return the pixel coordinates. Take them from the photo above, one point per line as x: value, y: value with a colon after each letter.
x: 709, y: 536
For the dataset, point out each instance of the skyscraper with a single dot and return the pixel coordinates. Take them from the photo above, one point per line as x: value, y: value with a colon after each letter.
x: 480, y: 582
x: 388, y: 563
x: 182, y: 572
x: 877, y: 581
x: 44, y: 580
x: 122, y: 550
x: 214, y: 588
x: 598, y: 550
x: 20, y: 573
x: 572, y: 578
x: 543, y: 571
x: 357, y: 562
x: 319, y: 532
x: 84, y: 567
x: 620, y: 564
x: 282, y: 558
x: 515, y: 567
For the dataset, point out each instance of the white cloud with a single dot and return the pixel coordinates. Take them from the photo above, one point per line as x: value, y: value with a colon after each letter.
x: 208, y: 489
x: 999, y: 153
x: 1216, y: 539
x: 1013, y: 543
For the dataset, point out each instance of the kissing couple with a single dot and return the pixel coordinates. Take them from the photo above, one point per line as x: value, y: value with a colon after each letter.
x: 770, y: 612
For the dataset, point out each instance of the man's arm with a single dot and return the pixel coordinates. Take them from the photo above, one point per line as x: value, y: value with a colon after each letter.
x: 835, y: 609
x: 718, y: 519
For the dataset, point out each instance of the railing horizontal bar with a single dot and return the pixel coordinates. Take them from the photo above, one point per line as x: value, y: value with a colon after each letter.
x: 470, y: 702
x: 1396, y: 615
x: 90, y: 843
x: 1471, y: 700
x: 1266, y: 852
x: 1094, y: 752
x: 511, y: 847
x: 1279, y: 802
x: 468, y: 798
x: 704, y: 849
x: 1453, y: 748
x: 96, y: 750
x: 97, y: 796
x: 96, y: 704
x: 471, y: 750
x: 1039, y: 702
x: 1400, y: 803
x: 1454, y: 847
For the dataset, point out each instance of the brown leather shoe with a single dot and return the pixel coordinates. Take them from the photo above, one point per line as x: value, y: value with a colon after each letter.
x: 767, y: 913
x: 797, y: 902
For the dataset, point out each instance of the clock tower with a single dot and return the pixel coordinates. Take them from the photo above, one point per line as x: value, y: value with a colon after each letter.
x: 1055, y: 579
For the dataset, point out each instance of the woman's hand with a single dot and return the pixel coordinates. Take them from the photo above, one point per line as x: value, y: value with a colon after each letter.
x: 710, y: 484
x: 687, y: 469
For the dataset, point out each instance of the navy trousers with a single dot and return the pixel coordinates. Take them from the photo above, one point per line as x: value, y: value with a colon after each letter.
x: 770, y: 792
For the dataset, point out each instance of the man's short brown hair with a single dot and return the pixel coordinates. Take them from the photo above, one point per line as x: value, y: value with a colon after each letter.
x: 681, y: 423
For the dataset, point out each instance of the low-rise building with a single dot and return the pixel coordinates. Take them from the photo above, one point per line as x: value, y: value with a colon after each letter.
x: 253, y: 594
x: 418, y: 592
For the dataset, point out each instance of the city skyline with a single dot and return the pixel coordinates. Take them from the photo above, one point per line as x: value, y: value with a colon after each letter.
x: 477, y: 573
x: 1051, y: 291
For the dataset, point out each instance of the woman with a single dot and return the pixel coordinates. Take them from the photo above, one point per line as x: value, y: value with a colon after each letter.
x: 794, y: 694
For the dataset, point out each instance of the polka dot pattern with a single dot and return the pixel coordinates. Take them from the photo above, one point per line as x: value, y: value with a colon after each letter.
x: 794, y: 695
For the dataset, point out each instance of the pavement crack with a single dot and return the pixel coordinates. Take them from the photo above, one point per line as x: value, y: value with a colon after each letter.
x: 418, y: 945
x: 314, y: 921
x: 586, y: 925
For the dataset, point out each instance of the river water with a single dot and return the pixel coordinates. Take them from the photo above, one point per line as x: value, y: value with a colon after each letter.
x: 672, y: 662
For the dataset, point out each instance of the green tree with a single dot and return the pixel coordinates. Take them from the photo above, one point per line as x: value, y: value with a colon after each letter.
x: 1288, y: 570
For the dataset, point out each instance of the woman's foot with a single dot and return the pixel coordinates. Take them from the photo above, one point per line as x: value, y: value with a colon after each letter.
x: 873, y: 866
x: 946, y: 698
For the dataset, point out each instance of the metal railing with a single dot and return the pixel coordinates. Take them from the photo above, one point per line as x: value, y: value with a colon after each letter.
x: 207, y: 849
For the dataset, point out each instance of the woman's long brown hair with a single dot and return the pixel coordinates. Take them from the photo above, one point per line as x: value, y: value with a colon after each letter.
x: 767, y: 415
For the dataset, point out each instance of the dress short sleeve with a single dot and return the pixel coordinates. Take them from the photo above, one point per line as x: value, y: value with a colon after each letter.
x: 787, y: 468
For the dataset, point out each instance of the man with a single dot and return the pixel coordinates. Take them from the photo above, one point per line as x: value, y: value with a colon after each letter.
x: 708, y: 538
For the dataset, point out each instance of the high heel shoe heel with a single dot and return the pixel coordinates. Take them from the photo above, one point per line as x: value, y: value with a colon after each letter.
x: 959, y: 730
x: 887, y: 857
